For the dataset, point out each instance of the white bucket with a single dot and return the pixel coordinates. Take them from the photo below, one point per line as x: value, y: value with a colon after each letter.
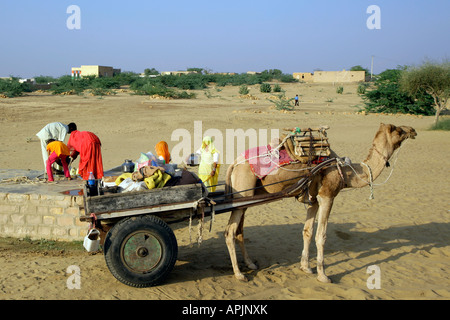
x: 92, y: 240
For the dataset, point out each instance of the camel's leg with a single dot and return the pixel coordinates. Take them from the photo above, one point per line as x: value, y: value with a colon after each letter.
x: 308, y: 231
x: 325, y: 205
x: 230, y: 235
x: 242, y: 178
x: 240, y: 239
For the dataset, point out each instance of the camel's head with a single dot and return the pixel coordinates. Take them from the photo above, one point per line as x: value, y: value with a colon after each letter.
x: 397, y: 135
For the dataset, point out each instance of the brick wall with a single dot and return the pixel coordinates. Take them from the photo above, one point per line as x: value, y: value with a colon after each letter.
x: 36, y: 216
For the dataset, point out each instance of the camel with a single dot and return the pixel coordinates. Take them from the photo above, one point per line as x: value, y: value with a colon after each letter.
x: 322, y: 190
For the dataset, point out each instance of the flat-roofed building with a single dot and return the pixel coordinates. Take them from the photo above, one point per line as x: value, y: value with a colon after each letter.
x: 94, y: 70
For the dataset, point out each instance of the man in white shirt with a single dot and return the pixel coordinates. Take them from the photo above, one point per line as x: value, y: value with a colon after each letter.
x: 54, y: 130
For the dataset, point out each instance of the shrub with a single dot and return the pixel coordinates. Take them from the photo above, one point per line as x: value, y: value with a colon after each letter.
x: 282, y: 103
x: 276, y: 88
x: 243, y: 89
x: 105, y: 83
x: 442, y: 125
x: 287, y: 78
x: 13, y: 88
x: 340, y: 89
x: 101, y: 92
x: 265, y: 87
x: 361, y: 88
x: 190, y: 82
x: 155, y: 88
x: 44, y: 79
x: 67, y: 84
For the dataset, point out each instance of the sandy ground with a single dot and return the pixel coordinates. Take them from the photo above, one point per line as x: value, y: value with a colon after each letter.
x: 405, y: 230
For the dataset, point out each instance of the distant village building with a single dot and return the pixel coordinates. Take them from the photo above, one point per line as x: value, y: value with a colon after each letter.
x: 91, y: 70
x: 303, y: 76
x: 177, y: 73
x: 225, y: 73
x: 143, y: 75
x: 331, y: 76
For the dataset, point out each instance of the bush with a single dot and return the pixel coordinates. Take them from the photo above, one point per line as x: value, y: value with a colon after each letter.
x: 151, y: 88
x: 101, y: 92
x: 44, y: 79
x: 67, y: 84
x: 265, y: 87
x: 287, y: 78
x: 243, y: 90
x: 126, y: 78
x: 104, y: 83
x: 442, y: 125
x: 340, y: 89
x: 283, y: 103
x: 190, y: 82
x: 13, y: 88
x: 276, y: 88
x: 361, y: 88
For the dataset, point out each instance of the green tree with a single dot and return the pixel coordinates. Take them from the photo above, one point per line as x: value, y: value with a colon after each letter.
x: 152, y: 71
x: 359, y: 68
x: 433, y: 78
x: 198, y: 70
x: 275, y: 73
x: 387, y: 96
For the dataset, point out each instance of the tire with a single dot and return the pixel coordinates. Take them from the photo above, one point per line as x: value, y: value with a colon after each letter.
x: 141, y: 251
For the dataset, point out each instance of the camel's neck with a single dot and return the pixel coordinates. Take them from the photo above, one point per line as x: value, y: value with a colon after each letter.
x: 372, y: 167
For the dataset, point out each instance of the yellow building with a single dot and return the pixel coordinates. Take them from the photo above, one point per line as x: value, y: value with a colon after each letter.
x: 303, y: 76
x: 331, y: 76
x: 339, y: 76
x: 98, y: 71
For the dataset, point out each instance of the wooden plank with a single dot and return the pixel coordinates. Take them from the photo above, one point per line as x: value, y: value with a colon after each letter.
x: 315, y: 145
x: 303, y: 152
x: 141, y: 199
x: 303, y: 139
x: 151, y: 210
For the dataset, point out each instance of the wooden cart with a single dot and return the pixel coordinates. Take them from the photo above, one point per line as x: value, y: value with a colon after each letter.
x: 140, y: 247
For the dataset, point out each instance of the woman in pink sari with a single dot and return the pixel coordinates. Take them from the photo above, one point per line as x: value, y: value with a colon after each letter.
x: 88, y: 146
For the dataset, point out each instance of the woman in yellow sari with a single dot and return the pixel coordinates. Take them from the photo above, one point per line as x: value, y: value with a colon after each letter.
x: 208, y: 170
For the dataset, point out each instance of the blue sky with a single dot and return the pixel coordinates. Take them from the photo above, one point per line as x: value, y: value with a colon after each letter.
x: 222, y: 36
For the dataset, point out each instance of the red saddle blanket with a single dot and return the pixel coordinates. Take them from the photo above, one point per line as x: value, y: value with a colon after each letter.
x: 263, y: 160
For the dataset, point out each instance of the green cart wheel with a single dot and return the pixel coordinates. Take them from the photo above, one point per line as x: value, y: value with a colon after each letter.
x: 141, y: 251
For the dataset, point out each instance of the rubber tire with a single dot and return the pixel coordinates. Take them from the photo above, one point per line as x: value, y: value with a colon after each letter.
x: 159, y: 230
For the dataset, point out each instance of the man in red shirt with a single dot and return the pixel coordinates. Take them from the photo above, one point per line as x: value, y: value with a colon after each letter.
x: 88, y: 146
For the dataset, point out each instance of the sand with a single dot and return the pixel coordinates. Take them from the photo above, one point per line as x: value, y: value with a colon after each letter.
x: 404, y: 230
